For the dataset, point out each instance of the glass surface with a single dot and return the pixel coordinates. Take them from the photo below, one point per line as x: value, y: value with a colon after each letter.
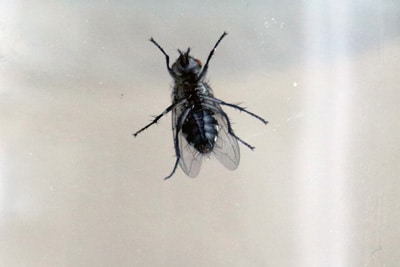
x: 77, y: 78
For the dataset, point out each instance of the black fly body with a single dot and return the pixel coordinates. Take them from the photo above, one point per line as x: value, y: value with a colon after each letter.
x: 200, y: 126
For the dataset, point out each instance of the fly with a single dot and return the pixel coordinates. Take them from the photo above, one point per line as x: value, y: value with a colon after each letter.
x: 200, y: 126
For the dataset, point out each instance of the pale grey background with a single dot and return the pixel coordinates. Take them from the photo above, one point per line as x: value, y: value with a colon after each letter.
x: 77, y: 78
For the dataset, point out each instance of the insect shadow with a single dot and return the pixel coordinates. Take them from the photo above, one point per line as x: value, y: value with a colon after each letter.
x: 200, y: 126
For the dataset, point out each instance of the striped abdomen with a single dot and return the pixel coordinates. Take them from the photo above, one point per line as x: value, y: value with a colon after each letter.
x: 200, y: 130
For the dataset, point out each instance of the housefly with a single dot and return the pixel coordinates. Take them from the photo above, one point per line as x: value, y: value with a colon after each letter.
x: 200, y: 126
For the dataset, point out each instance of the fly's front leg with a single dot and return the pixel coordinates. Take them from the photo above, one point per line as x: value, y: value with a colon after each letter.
x: 165, y: 54
x: 205, y: 68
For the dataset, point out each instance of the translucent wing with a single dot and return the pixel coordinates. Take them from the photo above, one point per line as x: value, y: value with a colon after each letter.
x: 226, y: 148
x: 190, y: 159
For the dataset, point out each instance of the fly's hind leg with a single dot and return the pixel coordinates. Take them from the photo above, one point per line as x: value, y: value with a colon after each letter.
x: 230, y: 131
x: 180, y: 121
x: 177, y: 152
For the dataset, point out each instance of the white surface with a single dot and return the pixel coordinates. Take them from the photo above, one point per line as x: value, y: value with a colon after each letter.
x: 77, y: 78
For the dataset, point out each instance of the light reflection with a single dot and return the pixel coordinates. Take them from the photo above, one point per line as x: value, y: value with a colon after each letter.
x: 322, y: 197
x: 2, y: 191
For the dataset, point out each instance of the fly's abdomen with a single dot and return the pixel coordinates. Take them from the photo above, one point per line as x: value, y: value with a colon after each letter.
x: 200, y: 130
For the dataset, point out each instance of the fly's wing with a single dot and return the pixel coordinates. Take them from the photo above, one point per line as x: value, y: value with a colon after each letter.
x: 190, y: 159
x: 226, y: 148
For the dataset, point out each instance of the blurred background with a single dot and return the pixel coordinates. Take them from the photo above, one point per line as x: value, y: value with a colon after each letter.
x: 77, y: 78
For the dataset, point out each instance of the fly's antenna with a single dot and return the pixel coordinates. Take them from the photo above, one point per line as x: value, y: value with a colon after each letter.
x: 203, y: 72
x: 165, y: 54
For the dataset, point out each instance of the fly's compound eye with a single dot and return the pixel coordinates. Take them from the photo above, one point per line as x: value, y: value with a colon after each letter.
x: 186, y: 65
x: 198, y: 62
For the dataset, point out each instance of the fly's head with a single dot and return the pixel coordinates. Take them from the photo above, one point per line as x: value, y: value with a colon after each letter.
x: 186, y: 66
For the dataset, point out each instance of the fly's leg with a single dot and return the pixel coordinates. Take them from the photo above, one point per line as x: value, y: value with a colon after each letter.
x: 165, y: 54
x: 174, y: 169
x: 204, y: 71
x: 230, y: 130
x: 178, y: 155
x: 181, y: 119
x: 220, y: 102
x: 177, y: 152
x: 159, y: 117
x: 228, y: 123
x: 155, y: 120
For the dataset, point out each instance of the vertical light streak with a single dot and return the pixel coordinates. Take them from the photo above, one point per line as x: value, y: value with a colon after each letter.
x: 2, y: 192
x: 322, y: 198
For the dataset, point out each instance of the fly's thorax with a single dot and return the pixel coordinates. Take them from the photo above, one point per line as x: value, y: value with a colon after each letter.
x: 203, y: 88
x: 191, y: 92
x: 182, y: 91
